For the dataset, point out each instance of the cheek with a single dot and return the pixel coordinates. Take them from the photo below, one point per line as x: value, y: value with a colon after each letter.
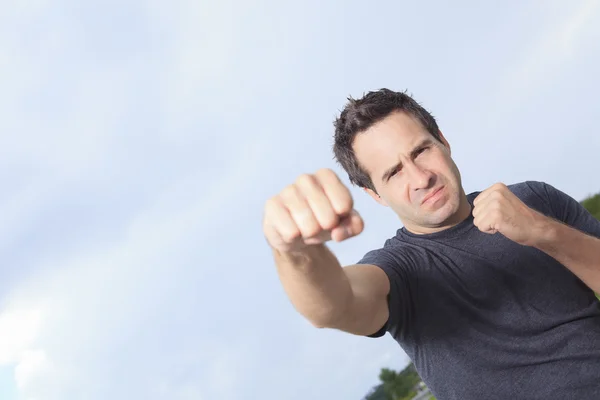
x: 446, y: 168
x: 398, y: 196
x: 405, y: 196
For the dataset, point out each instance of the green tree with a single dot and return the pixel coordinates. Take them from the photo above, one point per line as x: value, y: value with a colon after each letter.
x: 377, y: 393
x: 592, y: 204
x: 395, y: 385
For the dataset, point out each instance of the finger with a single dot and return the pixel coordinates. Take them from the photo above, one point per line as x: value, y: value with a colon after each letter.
x: 478, y: 209
x: 497, y: 191
x: 481, y: 197
x: 275, y: 239
x: 483, y: 201
x: 338, y: 194
x: 318, y: 201
x: 300, y: 211
x: 485, y: 222
x: 349, y: 226
x: 322, y: 237
x: 283, y: 225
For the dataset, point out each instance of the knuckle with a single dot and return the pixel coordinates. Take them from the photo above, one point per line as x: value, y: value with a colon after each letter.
x: 325, y: 173
x: 305, y: 180
x: 361, y: 225
x: 271, y: 203
x: 311, y: 231
x: 289, y: 235
x: 329, y: 223
x: 270, y: 210
x: 345, y: 204
x: 288, y: 192
x: 498, y: 202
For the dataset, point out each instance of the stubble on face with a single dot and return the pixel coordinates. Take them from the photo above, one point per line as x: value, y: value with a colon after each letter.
x: 396, y: 140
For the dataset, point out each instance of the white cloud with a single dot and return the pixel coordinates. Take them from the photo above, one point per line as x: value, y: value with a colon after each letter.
x: 101, y: 295
x: 95, y: 296
x: 18, y: 329
x: 34, y: 365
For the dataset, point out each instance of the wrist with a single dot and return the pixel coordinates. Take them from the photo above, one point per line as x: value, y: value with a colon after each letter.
x: 305, y: 258
x: 545, y: 231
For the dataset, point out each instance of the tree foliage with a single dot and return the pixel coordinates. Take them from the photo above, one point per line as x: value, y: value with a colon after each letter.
x: 395, y: 385
x: 592, y: 204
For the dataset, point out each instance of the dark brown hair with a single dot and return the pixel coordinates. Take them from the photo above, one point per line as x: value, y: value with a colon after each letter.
x: 360, y: 114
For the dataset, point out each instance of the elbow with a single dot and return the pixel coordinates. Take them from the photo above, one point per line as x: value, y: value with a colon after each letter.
x: 330, y: 315
x: 319, y: 323
x: 325, y: 320
x: 318, y: 318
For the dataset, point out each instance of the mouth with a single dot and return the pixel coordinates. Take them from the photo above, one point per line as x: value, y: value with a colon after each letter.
x: 432, y: 195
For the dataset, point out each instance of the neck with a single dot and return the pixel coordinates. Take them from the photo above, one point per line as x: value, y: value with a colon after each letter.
x: 463, y: 212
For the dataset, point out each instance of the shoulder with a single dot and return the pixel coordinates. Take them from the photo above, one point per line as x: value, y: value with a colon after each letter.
x: 537, y: 190
x: 528, y: 188
x: 386, y: 253
x: 520, y: 189
x: 394, y: 255
x: 533, y: 193
x: 544, y: 197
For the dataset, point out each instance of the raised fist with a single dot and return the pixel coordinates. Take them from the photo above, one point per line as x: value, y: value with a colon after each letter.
x: 313, y: 210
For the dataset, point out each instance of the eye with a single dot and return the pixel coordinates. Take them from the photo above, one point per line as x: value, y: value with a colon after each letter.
x: 395, y: 172
x: 421, y: 150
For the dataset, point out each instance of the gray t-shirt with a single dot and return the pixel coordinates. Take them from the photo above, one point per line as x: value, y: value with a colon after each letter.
x: 483, y: 317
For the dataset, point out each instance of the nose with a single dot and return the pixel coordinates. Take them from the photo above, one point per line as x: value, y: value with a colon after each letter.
x: 420, y: 178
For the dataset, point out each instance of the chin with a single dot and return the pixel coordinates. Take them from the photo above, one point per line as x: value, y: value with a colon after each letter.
x: 443, y: 214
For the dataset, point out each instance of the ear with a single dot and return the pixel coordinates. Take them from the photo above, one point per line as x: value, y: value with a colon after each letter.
x: 376, y: 197
x: 445, y: 142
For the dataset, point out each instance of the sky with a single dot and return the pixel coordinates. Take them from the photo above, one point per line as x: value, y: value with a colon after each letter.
x: 139, y: 141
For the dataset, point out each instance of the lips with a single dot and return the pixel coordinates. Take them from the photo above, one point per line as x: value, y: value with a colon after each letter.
x: 430, y: 195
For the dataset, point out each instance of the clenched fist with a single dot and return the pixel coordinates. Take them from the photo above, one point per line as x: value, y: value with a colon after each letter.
x: 497, y: 209
x: 313, y: 210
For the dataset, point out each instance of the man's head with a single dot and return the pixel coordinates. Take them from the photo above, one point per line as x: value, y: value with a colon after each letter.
x: 392, y: 147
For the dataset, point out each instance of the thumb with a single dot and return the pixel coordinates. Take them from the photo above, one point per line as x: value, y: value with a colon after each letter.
x: 351, y: 225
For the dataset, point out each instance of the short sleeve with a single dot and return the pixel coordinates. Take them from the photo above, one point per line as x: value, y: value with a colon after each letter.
x: 399, y: 298
x: 568, y: 210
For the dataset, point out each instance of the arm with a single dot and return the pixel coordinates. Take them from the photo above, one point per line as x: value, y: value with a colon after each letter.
x: 352, y: 299
x: 577, y: 251
x: 297, y: 223
x: 572, y: 237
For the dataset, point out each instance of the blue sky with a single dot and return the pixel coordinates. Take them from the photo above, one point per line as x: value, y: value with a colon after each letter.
x: 140, y: 139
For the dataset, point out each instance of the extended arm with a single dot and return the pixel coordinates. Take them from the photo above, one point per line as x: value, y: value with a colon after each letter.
x: 298, y: 222
x: 352, y: 299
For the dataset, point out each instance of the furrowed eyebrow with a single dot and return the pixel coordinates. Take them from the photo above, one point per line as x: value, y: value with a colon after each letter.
x: 424, y: 143
x: 389, y: 172
x: 413, y: 154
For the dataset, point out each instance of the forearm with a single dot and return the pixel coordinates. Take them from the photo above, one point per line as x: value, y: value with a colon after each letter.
x: 315, y: 283
x: 577, y: 251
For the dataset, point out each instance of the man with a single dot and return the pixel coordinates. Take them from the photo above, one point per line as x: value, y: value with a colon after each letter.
x: 491, y: 294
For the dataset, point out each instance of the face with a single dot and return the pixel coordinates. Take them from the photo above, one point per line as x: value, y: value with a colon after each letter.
x: 413, y: 174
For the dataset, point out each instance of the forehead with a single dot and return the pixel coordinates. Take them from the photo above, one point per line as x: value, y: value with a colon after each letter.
x: 383, y: 145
